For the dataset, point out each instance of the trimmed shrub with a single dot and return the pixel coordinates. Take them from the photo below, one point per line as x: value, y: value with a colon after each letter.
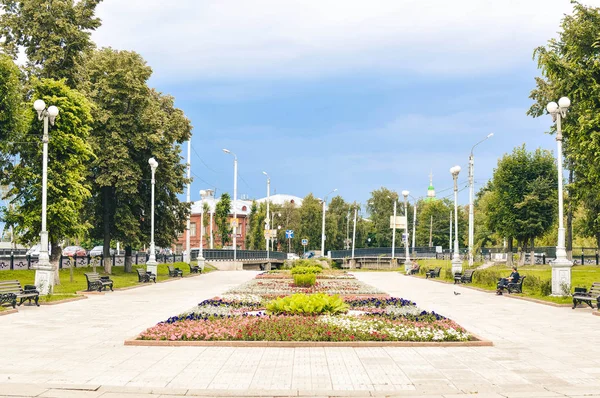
x: 306, y: 262
x: 306, y: 270
x: 305, y: 280
x: 303, y: 304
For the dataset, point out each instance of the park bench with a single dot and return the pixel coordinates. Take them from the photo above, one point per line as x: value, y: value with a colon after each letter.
x: 433, y: 273
x: 415, y: 270
x: 588, y: 296
x: 466, y: 277
x: 515, y: 287
x: 10, y: 291
x: 175, y: 271
x: 144, y: 276
x: 97, y: 282
x: 194, y: 269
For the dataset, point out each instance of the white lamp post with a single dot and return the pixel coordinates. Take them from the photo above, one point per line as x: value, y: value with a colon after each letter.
x: 267, y: 224
x: 234, y: 203
x: 200, y: 258
x: 561, y: 267
x: 414, y: 226
x: 471, y: 196
x: 394, y: 228
x: 323, y: 227
x: 44, y: 271
x: 456, y: 261
x: 407, y: 262
x: 187, y: 254
x: 354, y: 231
x: 151, y: 264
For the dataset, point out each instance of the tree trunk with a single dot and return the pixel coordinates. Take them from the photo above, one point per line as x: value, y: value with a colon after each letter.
x: 128, y: 259
x: 106, y: 199
x: 532, y: 251
x: 509, y: 251
x: 597, y: 241
x: 55, y: 252
x: 521, y: 248
x: 570, y: 220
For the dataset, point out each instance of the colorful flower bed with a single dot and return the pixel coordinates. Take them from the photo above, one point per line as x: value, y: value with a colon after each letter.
x: 367, y: 315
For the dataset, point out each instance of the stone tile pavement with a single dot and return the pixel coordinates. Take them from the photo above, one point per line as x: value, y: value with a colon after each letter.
x: 76, y: 350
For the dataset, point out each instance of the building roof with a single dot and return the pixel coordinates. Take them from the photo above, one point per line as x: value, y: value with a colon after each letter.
x: 280, y: 199
x: 243, y: 206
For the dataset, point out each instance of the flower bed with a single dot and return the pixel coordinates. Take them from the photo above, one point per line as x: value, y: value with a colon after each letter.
x: 367, y: 314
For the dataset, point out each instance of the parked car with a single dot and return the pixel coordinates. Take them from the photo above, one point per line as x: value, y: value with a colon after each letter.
x: 72, y: 251
x: 309, y: 254
x: 98, y: 250
x: 34, y: 251
x: 293, y: 256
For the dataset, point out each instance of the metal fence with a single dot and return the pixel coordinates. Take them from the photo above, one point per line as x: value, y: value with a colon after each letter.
x: 26, y: 262
x: 227, y: 254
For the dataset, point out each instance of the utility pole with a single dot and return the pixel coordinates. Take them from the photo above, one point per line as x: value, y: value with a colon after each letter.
x: 431, y: 232
x: 188, y: 249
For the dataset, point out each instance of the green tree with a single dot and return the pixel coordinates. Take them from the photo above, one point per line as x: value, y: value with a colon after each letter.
x: 433, y: 217
x: 336, y: 223
x: 69, y: 155
x: 132, y: 124
x: 569, y: 67
x: 54, y: 34
x: 222, y: 211
x: 309, y: 227
x: 522, y: 203
x: 11, y: 111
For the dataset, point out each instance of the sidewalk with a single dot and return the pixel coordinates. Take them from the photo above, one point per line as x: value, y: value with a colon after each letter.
x: 543, y: 352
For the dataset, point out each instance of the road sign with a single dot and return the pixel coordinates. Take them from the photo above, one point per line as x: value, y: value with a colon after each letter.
x: 270, y: 233
x: 400, y: 222
x: 289, y: 234
x: 405, y: 237
x: 304, y: 242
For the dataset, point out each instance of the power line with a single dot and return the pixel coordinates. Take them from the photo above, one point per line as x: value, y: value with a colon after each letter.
x: 204, y: 181
x: 203, y: 162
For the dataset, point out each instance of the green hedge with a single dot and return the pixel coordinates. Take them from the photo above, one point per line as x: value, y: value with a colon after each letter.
x: 305, y: 280
x: 306, y: 270
x: 303, y: 304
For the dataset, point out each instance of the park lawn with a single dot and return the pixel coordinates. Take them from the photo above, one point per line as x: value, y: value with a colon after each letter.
x: 68, y: 289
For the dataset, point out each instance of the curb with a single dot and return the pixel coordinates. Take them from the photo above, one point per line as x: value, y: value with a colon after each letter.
x: 68, y: 300
x: 8, y: 312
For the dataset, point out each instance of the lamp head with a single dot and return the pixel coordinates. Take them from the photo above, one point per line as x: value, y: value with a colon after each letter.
x: 39, y: 105
x: 335, y: 190
x: 490, y: 135
x: 455, y: 170
x: 153, y: 163
x: 226, y: 150
x: 405, y: 194
x: 52, y: 111
x: 564, y: 103
x: 265, y: 173
x: 552, y: 107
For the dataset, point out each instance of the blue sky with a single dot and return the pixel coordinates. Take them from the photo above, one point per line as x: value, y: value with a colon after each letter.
x: 352, y: 95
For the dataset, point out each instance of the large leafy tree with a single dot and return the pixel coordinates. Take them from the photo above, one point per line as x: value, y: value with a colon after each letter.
x: 132, y: 124
x: 523, y: 200
x: 222, y: 211
x: 309, y: 227
x: 11, y: 111
x: 570, y: 66
x: 69, y: 154
x: 337, y: 223
x: 54, y: 34
x: 381, y: 207
x: 434, y: 218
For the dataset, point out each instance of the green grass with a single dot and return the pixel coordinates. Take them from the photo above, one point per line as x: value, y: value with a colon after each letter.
x: 67, y: 289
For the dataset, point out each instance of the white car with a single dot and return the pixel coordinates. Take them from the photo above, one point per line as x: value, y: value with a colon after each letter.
x: 34, y: 251
x: 293, y: 256
x: 98, y: 250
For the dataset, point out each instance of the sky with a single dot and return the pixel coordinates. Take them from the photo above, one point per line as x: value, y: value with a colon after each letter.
x: 353, y: 95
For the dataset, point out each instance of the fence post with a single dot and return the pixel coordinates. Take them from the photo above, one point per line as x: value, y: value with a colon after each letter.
x: 12, y: 262
x: 29, y: 261
x: 544, y: 258
x: 582, y: 259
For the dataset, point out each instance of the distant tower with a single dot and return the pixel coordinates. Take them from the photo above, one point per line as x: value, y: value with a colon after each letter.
x: 431, y: 189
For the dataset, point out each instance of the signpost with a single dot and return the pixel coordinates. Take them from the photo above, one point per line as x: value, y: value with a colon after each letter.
x: 304, y: 244
x: 289, y: 234
x: 400, y: 222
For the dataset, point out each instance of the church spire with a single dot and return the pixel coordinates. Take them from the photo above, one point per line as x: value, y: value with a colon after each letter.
x: 431, y: 189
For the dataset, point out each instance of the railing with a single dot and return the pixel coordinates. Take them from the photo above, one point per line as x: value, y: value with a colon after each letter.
x: 28, y: 262
x: 227, y: 254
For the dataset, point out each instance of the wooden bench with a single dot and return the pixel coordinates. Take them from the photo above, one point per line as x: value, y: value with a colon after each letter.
x: 515, y: 287
x: 144, y: 276
x: 588, y: 296
x: 194, y: 269
x: 433, y: 273
x: 97, y: 282
x: 466, y: 277
x: 11, y: 290
x: 175, y: 271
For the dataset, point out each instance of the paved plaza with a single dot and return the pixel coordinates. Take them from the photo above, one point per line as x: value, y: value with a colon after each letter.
x: 76, y: 350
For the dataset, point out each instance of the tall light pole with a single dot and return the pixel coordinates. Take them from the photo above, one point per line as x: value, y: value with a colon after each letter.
x: 348, y: 230
x: 323, y: 227
x: 44, y: 271
x: 471, y: 196
x: 561, y: 267
x: 407, y: 262
x: 267, y: 225
x: 200, y: 258
x: 456, y: 261
x: 151, y: 264
x: 395, y: 199
x: 188, y: 249
x: 235, y: 222
x: 354, y: 231
x: 414, y: 223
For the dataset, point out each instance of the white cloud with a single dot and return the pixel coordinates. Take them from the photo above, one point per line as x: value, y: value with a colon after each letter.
x: 303, y: 38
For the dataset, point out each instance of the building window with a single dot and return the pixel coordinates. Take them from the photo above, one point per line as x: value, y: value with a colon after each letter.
x: 193, y: 229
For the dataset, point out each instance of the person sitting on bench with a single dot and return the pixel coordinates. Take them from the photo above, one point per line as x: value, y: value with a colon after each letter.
x: 503, y: 283
x: 414, y: 269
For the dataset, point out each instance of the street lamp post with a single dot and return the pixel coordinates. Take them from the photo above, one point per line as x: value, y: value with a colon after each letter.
x: 267, y: 225
x: 151, y: 264
x: 235, y: 166
x: 354, y: 231
x: 44, y: 271
x: 407, y: 262
x: 561, y: 267
x: 471, y: 196
x: 188, y: 250
x: 200, y: 258
x: 456, y: 261
x: 414, y: 228
x: 323, y: 227
x: 394, y: 229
